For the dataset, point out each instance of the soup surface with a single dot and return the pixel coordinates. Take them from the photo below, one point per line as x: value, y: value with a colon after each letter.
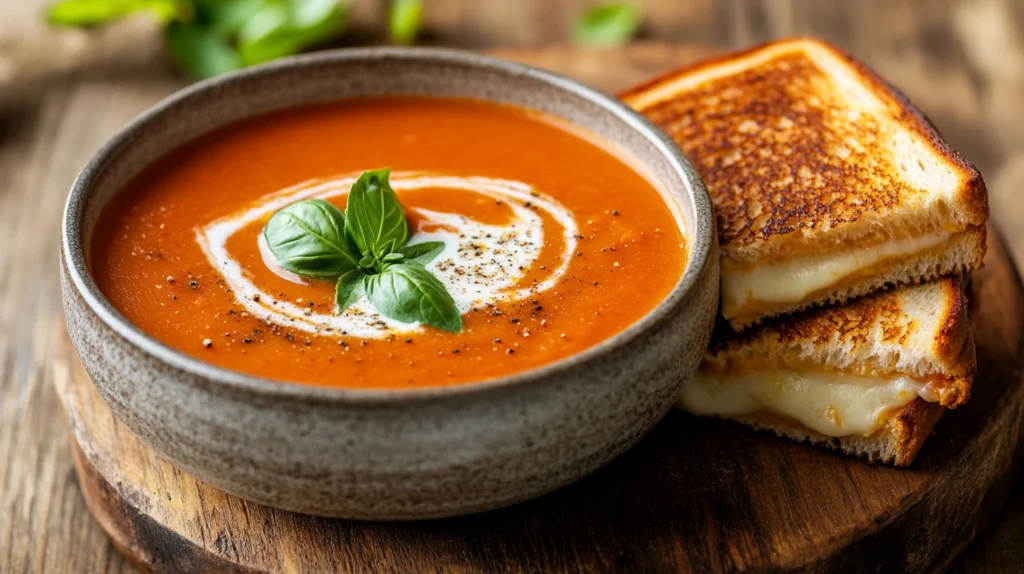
x: 553, y: 243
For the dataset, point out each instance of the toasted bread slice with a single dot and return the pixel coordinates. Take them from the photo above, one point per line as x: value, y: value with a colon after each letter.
x: 827, y: 182
x: 870, y: 378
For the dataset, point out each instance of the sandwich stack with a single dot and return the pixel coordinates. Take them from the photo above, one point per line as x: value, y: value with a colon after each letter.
x: 846, y: 224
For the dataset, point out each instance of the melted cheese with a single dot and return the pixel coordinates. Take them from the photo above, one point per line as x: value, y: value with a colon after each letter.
x: 793, y: 280
x: 833, y: 404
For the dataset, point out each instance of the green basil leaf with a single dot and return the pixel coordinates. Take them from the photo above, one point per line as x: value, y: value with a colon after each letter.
x: 404, y: 20
x: 308, y: 239
x: 423, y: 253
x: 350, y: 287
x: 608, y: 24
x: 284, y: 28
x: 376, y: 220
x: 200, y: 51
x: 392, y: 257
x: 409, y: 293
x: 93, y: 12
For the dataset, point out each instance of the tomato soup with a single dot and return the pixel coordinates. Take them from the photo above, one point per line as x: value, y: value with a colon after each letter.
x: 552, y: 242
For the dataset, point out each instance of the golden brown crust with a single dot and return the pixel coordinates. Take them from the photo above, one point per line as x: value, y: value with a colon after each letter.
x: 955, y: 392
x: 779, y: 152
x: 955, y: 342
x: 858, y: 323
x: 973, y: 187
x: 851, y: 323
x: 705, y: 64
x: 910, y: 428
x: 897, y: 443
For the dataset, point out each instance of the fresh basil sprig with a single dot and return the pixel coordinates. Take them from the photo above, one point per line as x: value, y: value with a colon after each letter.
x: 376, y: 219
x: 365, y: 249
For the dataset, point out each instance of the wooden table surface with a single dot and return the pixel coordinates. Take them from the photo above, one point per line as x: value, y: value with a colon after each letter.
x: 961, y: 62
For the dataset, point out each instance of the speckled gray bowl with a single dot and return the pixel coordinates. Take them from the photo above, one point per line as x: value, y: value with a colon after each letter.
x: 390, y: 454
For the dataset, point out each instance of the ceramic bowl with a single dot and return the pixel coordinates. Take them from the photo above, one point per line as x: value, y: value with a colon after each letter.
x: 396, y: 454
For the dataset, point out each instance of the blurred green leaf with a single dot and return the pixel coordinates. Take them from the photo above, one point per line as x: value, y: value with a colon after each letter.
x: 283, y: 28
x: 210, y: 37
x: 201, y: 51
x: 310, y: 13
x: 93, y: 12
x: 227, y: 16
x: 404, y: 20
x: 607, y: 24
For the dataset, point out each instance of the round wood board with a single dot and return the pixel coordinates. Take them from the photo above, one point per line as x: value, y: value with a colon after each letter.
x: 695, y: 495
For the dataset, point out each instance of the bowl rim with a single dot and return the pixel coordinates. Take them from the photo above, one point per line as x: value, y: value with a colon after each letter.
x: 700, y: 249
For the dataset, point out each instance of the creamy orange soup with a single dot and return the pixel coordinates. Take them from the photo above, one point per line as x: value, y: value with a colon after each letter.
x: 553, y: 243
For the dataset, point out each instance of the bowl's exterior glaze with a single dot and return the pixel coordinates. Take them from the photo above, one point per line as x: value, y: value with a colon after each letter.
x: 399, y: 454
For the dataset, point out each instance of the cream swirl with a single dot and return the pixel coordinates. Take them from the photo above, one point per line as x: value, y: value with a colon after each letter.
x: 481, y: 264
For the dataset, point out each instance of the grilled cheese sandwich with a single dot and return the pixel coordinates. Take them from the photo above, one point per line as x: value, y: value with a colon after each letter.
x: 827, y: 183
x: 870, y: 378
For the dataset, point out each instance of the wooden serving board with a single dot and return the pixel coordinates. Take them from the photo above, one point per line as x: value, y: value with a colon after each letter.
x: 695, y: 495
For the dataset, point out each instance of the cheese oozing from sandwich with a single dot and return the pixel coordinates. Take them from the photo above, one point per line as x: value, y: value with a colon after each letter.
x: 831, y: 403
x: 753, y: 290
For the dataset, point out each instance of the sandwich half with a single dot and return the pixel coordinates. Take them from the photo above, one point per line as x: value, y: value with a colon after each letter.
x: 871, y: 378
x: 827, y: 183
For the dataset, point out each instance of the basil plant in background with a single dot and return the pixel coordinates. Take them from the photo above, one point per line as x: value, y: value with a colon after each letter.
x: 366, y: 250
x: 210, y: 37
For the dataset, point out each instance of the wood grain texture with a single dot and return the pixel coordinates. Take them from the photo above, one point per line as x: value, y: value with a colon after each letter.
x: 960, y: 60
x: 44, y: 525
x: 694, y: 496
